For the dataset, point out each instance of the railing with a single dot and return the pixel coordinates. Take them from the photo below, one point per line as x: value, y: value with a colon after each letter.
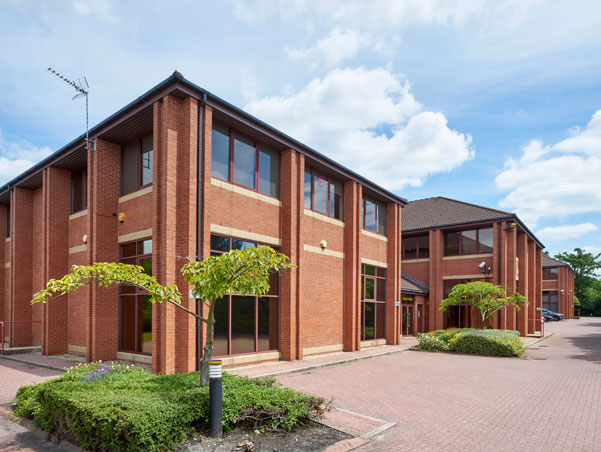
x: 13, y: 321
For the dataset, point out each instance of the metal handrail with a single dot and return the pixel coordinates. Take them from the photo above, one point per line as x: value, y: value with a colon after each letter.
x: 2, y: 322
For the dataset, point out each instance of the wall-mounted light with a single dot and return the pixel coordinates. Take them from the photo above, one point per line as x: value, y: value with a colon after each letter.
x: 323, y: 244
x: 511, y: 227
x: 563, y: 291
x: 482, y: 266
x: 85, y: 238
x: 121, y: 217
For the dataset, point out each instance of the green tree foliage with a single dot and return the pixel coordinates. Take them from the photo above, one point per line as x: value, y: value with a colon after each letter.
x: 235, y: 272
x: 587, y: 285
x: 485, y: 296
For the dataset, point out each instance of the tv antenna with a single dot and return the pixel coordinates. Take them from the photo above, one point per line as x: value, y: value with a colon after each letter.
x: 82, y: 88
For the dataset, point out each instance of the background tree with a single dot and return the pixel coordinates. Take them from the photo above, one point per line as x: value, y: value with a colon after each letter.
x: 485, y: 296
x: 235, y: 272
x: 587, y: 286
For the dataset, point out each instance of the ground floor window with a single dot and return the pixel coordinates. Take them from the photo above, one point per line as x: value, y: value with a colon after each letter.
x: 245, y: 324
x: 550, y: 301
x: 135, y: 326
x: 373, y: 302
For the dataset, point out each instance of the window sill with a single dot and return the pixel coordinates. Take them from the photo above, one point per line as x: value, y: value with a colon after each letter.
x: 411, y: 261
x: 374, y: 235
x: 372, y: 343
x: 136, y: 194
x: 323, y: 217
x: 467, y: 256
x: 245, y: 191
x: 135, y: 357
x: 250, y: 358
x: 79, y: 213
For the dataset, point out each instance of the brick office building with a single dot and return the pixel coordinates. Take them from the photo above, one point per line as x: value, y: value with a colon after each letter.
x: 558, y: 287
x: 447, y: 242
x: 192, y: 175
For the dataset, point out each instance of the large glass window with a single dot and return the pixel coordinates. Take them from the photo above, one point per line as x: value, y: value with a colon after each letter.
x: 239, y: 159
x: 373, y: 302
x: 550, y: 301
x: 416, y: 247
x: 136, y: 164
x: 374, y: 216
x: 472, y: 241
x: 78, y: 190
x: 136, y: 308
x: 550, y: 273
x: 246, y: 324
x: 323, y: 194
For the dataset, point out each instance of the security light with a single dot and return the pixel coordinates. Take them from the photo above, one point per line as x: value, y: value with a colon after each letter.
x: 482, y: 265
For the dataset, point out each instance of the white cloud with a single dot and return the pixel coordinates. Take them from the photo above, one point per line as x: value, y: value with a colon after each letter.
x: 369, y: 121
x: 18, y: 156
x: 565, y: 232
x: 557, y: 180
x: 337, y: 46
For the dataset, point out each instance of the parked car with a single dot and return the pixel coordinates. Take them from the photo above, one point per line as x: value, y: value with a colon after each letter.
x: 552, y: 315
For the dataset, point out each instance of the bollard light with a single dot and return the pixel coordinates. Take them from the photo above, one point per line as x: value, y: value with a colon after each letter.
x: 215, y: 398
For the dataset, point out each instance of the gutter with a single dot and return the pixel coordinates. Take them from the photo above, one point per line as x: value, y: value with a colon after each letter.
x: 199, y: 161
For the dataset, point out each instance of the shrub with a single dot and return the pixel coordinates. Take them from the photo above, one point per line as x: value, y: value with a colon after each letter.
x: 467, y: 340
x: 115, y: 407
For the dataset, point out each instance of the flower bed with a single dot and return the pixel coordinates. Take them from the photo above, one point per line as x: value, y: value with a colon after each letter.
x: 476, y: 341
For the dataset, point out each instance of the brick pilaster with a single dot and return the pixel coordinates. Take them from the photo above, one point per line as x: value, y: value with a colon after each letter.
x: 523, y: 282
x: 435, y: 317
x: 393, y: 273
x: 531, y: 295
x: 352, y: 267
x: 4, y: 246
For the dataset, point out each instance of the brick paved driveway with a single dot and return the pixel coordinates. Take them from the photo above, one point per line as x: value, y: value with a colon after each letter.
x: 548, y: 401
x: 13, y: 375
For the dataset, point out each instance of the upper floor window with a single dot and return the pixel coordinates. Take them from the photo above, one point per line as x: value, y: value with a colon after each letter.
x: 473, y: 241
x: 416, y: 247
x: 136, y: 164
x: 239, y: 159
x: 550, y: 273
x: 79, y: 193
x: 374, y: 216
x: 324, y: 194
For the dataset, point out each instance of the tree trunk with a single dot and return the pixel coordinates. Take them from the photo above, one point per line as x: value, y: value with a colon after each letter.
x: 484, y: 318
x: 208, y: 348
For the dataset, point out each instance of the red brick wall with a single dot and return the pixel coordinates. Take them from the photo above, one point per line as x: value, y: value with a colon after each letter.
x: 4, y: 245
x: 38, y: 273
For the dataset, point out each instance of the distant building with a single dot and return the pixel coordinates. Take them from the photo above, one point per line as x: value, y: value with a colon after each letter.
x: 558, y: 287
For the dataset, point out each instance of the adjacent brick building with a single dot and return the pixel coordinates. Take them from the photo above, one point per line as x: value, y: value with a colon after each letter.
x: 447, y: 242
x: 558, y: 287
x: 180, y: 173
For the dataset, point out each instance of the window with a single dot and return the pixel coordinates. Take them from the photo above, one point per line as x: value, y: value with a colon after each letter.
x: 374, y: 216
x: 416, y: 247
x: 245, y: 324
x: 136, y: 308
x: 550, y: 301
x: 473, y: 241
x: 239, y: 159
x: 324, y: 194
x: 136, y: 164
x: 373, y: 302
x: 550, y: 273
x: 79, y: 190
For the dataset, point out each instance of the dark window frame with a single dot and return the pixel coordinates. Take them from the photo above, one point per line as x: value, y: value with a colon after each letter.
x: 549, y: 271
x: 377, y: 219
x: 330, y: 180
x: 137, y: 293
x: 138, y: 139
x: 546, y: 300
x: 84, y: 190
x: 215, y: 252
x: 230, y: 169
x: 460, y: 232
x: 417, y: 247
x: 378, y: 271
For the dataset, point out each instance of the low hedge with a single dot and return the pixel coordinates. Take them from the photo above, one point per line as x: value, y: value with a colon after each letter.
x: 115, y: 407
x: 469, y: 340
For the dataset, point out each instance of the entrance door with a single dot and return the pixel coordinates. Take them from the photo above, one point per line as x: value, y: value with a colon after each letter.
x: 408, y: 326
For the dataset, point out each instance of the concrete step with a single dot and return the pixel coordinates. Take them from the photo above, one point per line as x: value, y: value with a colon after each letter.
x: 18, y: 350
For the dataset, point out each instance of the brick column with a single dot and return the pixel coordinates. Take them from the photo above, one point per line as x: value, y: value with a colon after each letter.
x: 531, y: 295
x: 435, y: 317
x: 393, y: 272
x: 21, y: 265
x: 291, y: 178
x: 539, y: 288
x: 186, y: 232
x: 104, y: 188
x: 167, y: 136
x: 352, y: 267
x: 524, y: 287
x: 4, y: 246
x: 57, y: 207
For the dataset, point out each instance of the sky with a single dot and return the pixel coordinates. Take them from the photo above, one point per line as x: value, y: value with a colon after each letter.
x: 496, y: 103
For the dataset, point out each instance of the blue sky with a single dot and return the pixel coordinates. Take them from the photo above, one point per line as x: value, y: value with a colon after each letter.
x: 484, y: 101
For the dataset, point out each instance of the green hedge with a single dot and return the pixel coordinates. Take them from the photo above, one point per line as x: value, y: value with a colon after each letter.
x: 115, y: 407
x: 469, y: 340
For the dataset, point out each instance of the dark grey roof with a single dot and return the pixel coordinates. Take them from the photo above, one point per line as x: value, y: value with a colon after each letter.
x: 186, y: 87
x: 552, y: 262
x: 412, y: 285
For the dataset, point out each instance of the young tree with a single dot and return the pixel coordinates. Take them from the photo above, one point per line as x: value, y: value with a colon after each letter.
x: 235, y: 272
x: 485, y: 296
x: 584, y: 265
